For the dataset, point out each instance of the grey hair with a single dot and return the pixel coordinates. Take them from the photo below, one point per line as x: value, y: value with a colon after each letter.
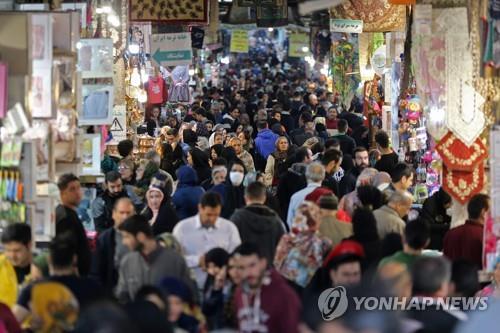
x: 429, y: 274
x: 315, y: 172
x: 400, y: 197
x: 217, y: 169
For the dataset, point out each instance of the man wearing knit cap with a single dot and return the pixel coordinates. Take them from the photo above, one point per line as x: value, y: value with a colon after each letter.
x: 330, y: 226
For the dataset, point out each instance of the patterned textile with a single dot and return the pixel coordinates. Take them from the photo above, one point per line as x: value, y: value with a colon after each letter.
x: 169, y: 11
x: 377, y: 16
x: 464, y: 114
x: 463, y: 185
x: 345, y: 60
x: 299, y: 256
x: 458, y: 156
x: 55, y: 306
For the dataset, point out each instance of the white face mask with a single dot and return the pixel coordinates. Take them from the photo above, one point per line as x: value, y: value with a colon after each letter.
x: 449, y: 212
x: 236, y: 177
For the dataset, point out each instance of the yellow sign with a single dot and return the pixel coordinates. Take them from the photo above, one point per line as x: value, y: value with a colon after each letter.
x: 239, y: 41
x: 299, y: 45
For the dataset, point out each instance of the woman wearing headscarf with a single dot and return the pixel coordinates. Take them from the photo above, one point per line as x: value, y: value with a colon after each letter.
x: 242, y: 154
x: 277, y: 162
x: 234, y: 189
x: 199, y: 161
x: 159, y: 210
x: 188, y: 193
x: 364, y: 227
x: 301, y: 252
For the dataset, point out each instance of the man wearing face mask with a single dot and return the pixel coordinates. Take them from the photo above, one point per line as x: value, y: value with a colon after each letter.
x: 234, y: 192
x: 148, y: 262
x: 205, y: 231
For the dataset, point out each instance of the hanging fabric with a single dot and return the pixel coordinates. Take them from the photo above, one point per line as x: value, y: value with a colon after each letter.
x: 377, y: 16
x: 179, y: 90
x: 458, y: 156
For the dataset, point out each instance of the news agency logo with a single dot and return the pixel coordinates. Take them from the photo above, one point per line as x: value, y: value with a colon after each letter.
x: 333, y: 303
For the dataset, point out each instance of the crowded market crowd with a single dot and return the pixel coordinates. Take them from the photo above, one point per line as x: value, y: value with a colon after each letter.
x: 258, y: 196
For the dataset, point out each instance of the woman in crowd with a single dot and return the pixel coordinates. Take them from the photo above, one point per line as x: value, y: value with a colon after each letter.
x: 234, y: 190
x: 242, y: 154
x: 159, y: 210
x: 277, y: 162
x: 199, y: 161
x: 153, y: 121
x: 301, y: 252
x: 364, y: 227
x: 188, y: 193
x: 216, y: 151
x: 126, y: 168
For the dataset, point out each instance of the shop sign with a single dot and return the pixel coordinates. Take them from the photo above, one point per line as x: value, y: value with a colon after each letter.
x: 239, y: 41
x: 172, y: 49
x: 119, y: 125
x: 349, y: 26
x: 298, y: 43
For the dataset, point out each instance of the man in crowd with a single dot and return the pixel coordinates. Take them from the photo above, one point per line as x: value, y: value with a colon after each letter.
x: 257, y: 223
x: 330, y: 226
x: 265, y: 142
x: 343, y: 264
x: 125, y: 148
x: 361, y: 162
x: 431, y: 280
x: 390, y: 217
x: 67, y: 219
x: 416, y: 239
x: 62, y: 259
x: 315, y: 174
x: 347, y: 144
x: 102, y: 206
x: 110, y: 249
x: 389, y: 158
x: 147, y: 262
x: 15, y: 262
x: 402, y: 178
x: 332, y: 160
x: 466, y: 241
x: 294, y: 179
x: 205, y: 231
x: 265, y: 302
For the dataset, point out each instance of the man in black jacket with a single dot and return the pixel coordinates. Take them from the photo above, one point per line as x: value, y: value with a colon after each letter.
x: 102, y: 207
x: 110, y: 249
x: 294, y: 179
x: 347, y: 144
x: 257, y: 223
x: 331, y: 160
x: 67, y: 220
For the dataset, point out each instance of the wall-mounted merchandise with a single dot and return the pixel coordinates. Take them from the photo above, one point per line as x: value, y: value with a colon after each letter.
x: 95, y: 58
x: 41, y: 93
x: 90, y: 147
x: 41, y: 40
x: 169, y: 11
x: 97, y: 106
x: 3, y: 89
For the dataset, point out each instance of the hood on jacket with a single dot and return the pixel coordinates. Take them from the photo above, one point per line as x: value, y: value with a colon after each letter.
x: 267, y: 134
x: 187, y: 176
x: 262, y: 217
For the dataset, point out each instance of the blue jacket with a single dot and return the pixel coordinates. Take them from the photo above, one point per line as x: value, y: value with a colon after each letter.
x: 265, y: 142
x: 188, y: 194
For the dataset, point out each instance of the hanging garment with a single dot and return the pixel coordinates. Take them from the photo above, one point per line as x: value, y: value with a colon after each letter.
x: 179, y: 90
x: 156, y: 86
